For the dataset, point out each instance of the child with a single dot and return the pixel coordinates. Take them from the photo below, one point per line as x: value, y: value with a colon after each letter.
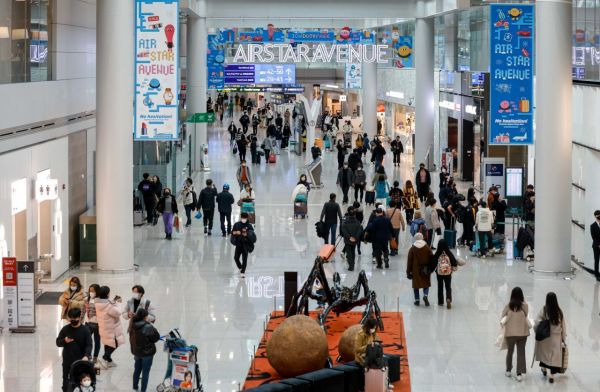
x: 187, y: 382
x: 85, y: 384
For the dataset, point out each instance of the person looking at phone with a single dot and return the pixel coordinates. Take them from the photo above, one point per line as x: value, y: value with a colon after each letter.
x: 76, y: 342
x: 108, y: 314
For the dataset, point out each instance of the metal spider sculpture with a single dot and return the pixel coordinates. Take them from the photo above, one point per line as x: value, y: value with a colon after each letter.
x: 339, y: 299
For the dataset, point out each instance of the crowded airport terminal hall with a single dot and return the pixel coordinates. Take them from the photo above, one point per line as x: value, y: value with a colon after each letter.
x: 299, y: 196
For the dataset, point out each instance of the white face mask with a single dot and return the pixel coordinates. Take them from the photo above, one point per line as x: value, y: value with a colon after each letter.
x: 244, y: 220
x: 73, y: 288
x: 137, y: 296
x: 86, y: 383
x: 372, y: 331
x: 92, y: 295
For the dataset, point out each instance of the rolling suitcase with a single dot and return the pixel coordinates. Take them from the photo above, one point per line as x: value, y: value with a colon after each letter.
x: 272, y: 158
x: 138, y: 218
x: 327, y: 252
x: 370, y: 197
x: 450, y: 237
x: 517, y: 254
x: 393, y: 366
x: 376, y: 380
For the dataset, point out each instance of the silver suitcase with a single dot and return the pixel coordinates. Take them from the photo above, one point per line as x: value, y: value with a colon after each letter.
x: 138, y: 218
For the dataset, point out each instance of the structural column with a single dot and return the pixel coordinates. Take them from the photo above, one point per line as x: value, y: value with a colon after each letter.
x: 553, y: 136
x: 369, y: 98
x: 424, y: 113
x: 114, y: 133
x: 196, y: 78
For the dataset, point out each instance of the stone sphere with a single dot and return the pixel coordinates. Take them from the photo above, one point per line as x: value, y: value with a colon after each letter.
x: 347, y: 343
x: 297, y: 346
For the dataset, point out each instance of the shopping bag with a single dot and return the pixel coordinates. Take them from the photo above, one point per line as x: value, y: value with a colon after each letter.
x: 198, y: 215
x: 500, y: 340
x: 394, y: 244
x: 565, y: 359
x: 176, y: 223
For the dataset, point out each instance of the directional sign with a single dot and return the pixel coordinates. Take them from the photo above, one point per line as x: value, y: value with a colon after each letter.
x: 202, y: 118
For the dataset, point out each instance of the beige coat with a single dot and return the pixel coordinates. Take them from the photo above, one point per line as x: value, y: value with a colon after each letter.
x: 516, y: 322
x: 396, y: 217
x: 77, y: 300
x: 109, y: 323
x: 549, y: 350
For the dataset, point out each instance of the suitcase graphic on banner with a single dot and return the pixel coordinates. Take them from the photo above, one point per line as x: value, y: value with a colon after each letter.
x: 524, y: 105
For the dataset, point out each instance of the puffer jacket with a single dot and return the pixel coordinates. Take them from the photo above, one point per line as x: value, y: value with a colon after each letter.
x: 142, y: 339
x: 109, y: 323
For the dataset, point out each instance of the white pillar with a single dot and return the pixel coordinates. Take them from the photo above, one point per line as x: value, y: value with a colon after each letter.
x: 369, y: 98
x: 424, y: 62
x: 114, y: 133
x: 553, y: 136
x: 196, y: 80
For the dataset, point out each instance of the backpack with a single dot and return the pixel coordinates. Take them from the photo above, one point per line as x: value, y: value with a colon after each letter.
x: 444, y: 266
x: 374, y: 356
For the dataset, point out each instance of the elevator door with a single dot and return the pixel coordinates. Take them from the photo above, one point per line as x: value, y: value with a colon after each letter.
x: 468, y: 153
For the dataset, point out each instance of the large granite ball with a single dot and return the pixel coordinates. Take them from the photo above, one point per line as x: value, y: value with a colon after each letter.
x: 347, y: 343
x: 297, y: 346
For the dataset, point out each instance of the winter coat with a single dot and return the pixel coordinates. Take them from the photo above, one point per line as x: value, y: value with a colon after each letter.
x: 161, y: 204
x: 331, y: 212
x: 348, y: 181
x: 360, y: 346
x: 351, y: 227
x: 427, y: 177
x: 144, y: 304
x: 516, y: 322
x: 247, y: 242
x: 142, y: 339
x: 360, y: 177
x: 224, y: 202
x: 484, y: 219
x: 419, y: 255
x: 380, y: 230
x: 206, y: 199
x: 414, y: 225
x: 238, y: 176
x: 187, y: 196
x: 396, y: 217
x: 411, y: 199
x: 268, y: 144
x: 109, y: 323
x: 549, y: 350
x: 353, y: 161
x: 77, y: 301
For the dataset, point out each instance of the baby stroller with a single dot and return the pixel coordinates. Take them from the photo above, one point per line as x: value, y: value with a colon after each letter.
x: 78, y: 369
x: 182, y: 361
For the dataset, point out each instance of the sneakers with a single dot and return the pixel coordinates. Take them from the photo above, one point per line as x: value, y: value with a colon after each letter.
x: 243, y: 275
x: 519, y: 378
x: 426, y: 300
x: 209, y: 232
x: 387, y: 263
x: 205, y: 229
x: 417, y: 302
x: 508, y: 374
x: 448, y: 303
x: 379, y: 266
x: 111, y: 364
x: 551, y: 379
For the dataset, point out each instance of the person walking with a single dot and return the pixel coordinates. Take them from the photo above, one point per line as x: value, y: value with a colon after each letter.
x: 91, y: 319
x: 360, y: 182
x: 380, y: 231
x: 432, y: 221
x: 225, y: 202
x: 329, y: 215
x: 549, y: 352
x: 418, y: 268
x: 595, y: 233
x: 515, y: 320
x: 468, y: 222
x: 341, y: 153
x: 267, y: 146
x: 354, y: 160
x: 483, y: 223
x: 396, y: 194
x: 142, y: 338
x: 254, y: 150
x: 76, y: 342
x: 351, y: 230
x: 243, y: 238
x: 245, y: 121
x: 109, y: 324
x: 136, y: 302
x: 189, y: 199
x: 243, y: 175
x: 410, y: 201
x: 397, y: 149
x: 315, y: 151
x: 242, y: 144
x: 423, y: 181
x: 146, y: 187
x: 394, y: 213
x: 206, y: 201
x: 366, y: 144
x: 73, y: 297
x: 255, y: 122
x: 167, y: 206
x: 377, y: 154
x: 345, y: 180
x: 499, y: 206
x: 446, y: 264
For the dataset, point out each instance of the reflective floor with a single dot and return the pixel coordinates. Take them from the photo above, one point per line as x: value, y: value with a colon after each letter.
x: 192, y: 281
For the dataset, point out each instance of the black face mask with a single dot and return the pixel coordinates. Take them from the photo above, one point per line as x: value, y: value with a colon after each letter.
x: 74, y: 323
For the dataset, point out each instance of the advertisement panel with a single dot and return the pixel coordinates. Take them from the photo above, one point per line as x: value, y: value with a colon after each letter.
x: 353, y: 76
x: 241, y: 74
x: 215, y: 59
x: 403, y: 50
x: 156, y: 106
x: 9, y: 285
x: 512, y: 48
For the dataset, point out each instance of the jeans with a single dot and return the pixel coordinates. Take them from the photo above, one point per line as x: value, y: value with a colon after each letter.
x: 357, y: 188
x: 241, y: 251
x: 380, y: 249
x: 482, y: 235
x: 95, y: 331
x: 188, y: 213
x: 425, y: 293
x: 350, y: 256
x: 444, y: 280
x: 520, y: 342
x: 225, y: 217
x: 208, y: 218
x: 142, y: 366
x: 168, y: 221
x: 332, y: 228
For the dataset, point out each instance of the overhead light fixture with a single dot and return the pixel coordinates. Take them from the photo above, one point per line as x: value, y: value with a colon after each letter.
x: 395, y: 94
x: 331, y: 86
x: 4, y: 32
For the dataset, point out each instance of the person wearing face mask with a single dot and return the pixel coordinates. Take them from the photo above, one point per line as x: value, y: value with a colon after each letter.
x: 85, y: 383
x: 142, y: 337
x: 92, y: 320
x: 595, y: 232
x: 345, y: 179
x: 366, y: 336
x: 76, y: 342
x: 243, y: 175
x: 108, y: 313
x: 72, y: 297
x: 136, y: 302
x: 243, y: 238
x: 167, y: 206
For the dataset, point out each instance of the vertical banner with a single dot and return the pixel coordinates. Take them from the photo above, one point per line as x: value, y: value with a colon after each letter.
x: 511, y: 73
x: 353, y: 76
x: 215, y: 62
x: 403, y: 49
x: 9, y: 285
x: 156, y: 107
x: 26, y: 294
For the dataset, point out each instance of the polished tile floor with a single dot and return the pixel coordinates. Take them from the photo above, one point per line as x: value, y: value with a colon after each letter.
x: 192, y: 282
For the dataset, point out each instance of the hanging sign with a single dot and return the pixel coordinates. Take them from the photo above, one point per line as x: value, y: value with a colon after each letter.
x: 156, y: 70
x: 403, y: 50
x: 353, y: 78
x: 240, y: 74
x: 9, y: 284
x: 215, y: 60
x: 511, y: 73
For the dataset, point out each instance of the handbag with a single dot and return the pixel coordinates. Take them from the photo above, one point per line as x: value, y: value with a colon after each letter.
x: 198, y: 215
x: 500, y: 339
x: 543, y: 330
x: 393, y: 243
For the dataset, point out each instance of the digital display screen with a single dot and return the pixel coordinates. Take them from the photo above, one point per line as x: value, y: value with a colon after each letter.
x: 514, y: 182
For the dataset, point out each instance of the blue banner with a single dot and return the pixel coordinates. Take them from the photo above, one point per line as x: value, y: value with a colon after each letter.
x: 215, y: 62
x: 241, y: 74
x: 512, y: 48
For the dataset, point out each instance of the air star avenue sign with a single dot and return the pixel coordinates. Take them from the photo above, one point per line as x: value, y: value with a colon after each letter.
x: 319, y: 53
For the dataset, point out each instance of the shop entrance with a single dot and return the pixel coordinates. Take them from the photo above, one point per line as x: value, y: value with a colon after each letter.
x: 453, y: 142
x: 468, y: 154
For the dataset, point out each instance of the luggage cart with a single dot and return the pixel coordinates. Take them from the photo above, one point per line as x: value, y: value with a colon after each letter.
x: 301, y: 206
x: 248, y: 207
x: 183, y: 373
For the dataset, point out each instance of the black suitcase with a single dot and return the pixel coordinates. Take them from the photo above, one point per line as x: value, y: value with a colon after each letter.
x: 370, y: 197
x: 324, y: 380
x: 393, y: 364
x: 297, y: 385
x: 354, y: 377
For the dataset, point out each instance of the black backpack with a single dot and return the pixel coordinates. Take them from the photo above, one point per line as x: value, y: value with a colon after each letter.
x: 374, y: 356
x: 321, y: 228
x: 194, y: 197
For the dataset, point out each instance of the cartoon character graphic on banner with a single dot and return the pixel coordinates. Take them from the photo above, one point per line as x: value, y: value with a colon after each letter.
x: 395, y: 36
x: 403, y: 52
x: 270, y: 31
x: 344, y: 34
x: 169, y: 32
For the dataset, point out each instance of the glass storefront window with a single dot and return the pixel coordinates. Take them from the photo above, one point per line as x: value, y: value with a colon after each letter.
x: 24, y: 41
x: 586, y: 40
